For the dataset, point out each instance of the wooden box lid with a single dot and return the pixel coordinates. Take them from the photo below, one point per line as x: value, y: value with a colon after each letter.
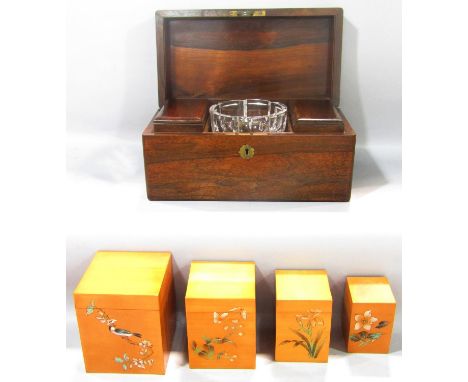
x: 294, y: 287
x: 220, y: 281
x: 124, y: 280
x: 368, y: 290
x: 281, y: 54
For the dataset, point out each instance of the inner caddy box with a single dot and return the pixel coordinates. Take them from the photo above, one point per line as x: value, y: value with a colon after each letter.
x: 221, y: 315
x: 368, y: 315
x: 303, y: 315
x: 125, y: 308
x: 290, y: 56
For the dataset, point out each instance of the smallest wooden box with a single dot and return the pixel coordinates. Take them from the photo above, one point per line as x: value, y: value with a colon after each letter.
x: 368, y: 315
x: 125, y: 310
x: 220, y: 312
x: 303, y: 315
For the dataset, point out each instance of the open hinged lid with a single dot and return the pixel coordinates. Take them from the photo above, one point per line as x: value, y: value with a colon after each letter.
x: 124, y: 280
x: 220, y: 281
x: 368, y: 290
x: 296, y: 289
x: 276, y: 54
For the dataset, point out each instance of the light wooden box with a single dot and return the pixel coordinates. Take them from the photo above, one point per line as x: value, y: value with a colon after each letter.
x: 125, y: 311
x: 303, y: 315
x: 221, y: 315
x: 368, y: 315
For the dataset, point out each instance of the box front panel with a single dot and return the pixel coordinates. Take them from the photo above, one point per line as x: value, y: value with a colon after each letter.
x: 222, y: 338
x: 369, y: 328
x: 282, y: 167
x: 303, y: 336
x: 120, y: 340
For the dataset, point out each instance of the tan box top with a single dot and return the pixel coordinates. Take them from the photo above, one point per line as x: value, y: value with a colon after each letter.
x: 112, y: 274
x: 364, y: 290
x: 221, y: 280
x: 302, y: 285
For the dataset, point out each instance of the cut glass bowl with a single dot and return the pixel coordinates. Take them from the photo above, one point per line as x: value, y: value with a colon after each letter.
x: 248, y: 116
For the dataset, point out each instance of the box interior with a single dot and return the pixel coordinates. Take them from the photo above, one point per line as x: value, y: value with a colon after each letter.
x: 192, y: 115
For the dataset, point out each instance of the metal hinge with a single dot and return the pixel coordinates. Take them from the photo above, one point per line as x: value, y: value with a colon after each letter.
x: 248, y: 12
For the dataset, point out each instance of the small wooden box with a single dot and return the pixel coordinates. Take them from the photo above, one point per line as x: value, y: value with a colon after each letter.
x: 125, y: 311
x: 303, y: 315
x: 220, y: 312
x: 368, y: 315
x: 287, y: 55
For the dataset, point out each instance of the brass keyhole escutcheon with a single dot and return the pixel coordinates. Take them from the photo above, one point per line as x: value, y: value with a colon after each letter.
x: 246, y: 152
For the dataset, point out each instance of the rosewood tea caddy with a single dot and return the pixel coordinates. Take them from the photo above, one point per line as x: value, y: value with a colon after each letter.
x: 291, y: 56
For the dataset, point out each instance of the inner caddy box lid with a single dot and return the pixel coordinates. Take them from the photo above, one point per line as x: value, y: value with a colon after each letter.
x: 276, y: 54
x: 297, y: 288
x: 186, y: 114
x: 369, y: 290
x: 124, y: 280
x: 224, y: 282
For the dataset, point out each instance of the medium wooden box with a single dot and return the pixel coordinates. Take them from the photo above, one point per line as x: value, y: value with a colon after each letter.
x: 303, y: 315
x: 125, y: 311
x: 368, y: 315
x: 220, y: 313
x: 287, y: 55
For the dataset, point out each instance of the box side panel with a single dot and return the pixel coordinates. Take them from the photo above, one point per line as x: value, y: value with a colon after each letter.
x: 223, y: 337
x: 121, y: 341
x: 345, y: 315
x: 167, y: 313
x: 302, y: 335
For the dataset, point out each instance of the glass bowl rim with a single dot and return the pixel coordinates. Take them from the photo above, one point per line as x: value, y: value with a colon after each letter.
x: 283, y: 107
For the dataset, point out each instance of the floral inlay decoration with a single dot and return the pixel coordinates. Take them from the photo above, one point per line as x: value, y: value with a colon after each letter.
x: 142, y: 346
x: 309, y: 333
x: 363, y: 327
x: 233, y: 325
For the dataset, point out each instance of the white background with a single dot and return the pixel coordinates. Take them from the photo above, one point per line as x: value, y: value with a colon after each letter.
x: 33, y: 199
x: 111, y: 96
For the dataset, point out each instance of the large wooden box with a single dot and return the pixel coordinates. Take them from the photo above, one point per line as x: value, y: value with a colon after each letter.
x: 368, y: 315
x: 303, y: 315
x: 125, y: 311
x: 221, y: 315
x: 287, y: 55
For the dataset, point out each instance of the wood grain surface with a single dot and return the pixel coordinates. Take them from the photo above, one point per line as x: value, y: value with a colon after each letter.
x: 288, y: 166
x: 290, y: 53
x: 315, y: 116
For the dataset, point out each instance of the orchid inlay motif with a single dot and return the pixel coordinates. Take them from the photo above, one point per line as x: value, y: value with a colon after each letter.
x: 309, y: 333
